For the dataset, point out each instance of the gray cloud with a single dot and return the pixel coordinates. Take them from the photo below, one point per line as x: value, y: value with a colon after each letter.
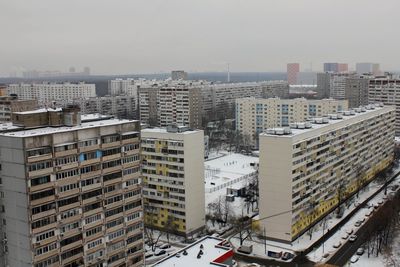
x: 139, y: 36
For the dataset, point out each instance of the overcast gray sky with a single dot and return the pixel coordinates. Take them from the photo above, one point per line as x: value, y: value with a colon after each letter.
x: 146, y: 36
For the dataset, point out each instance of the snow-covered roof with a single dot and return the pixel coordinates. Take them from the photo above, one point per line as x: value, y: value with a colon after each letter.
x: 52, y: 130
x: 41, y: 110
x: 213, y: 252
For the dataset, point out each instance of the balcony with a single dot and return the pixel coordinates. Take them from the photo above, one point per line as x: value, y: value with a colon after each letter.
x: 89, y: 148
x: 41, y: 172
x: 68, y: 193
x: 111, y: 157
x: 65, y: 153
x: 70, y: 206
x: 43, y: 214
x: 40, y: 158
x: 89, y: 162
x: 77, y: 243
x: 45, y: 228
x: 41, y: 187
x: 130, y: 140
x: 43, y: 200
x: 67, y: 166
x: 112, y: 144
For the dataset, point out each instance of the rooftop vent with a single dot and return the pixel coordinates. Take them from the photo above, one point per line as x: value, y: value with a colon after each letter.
x: 321, y: 120
x: 279, y: 131
x: 301, y: 125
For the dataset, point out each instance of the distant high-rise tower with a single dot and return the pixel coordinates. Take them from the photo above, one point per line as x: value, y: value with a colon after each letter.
x: 370, y: 68
x: 86, y: 70
x: 292, y: 70
x: 336, y: 67
x: 179, y: 75
x: 72, y: 69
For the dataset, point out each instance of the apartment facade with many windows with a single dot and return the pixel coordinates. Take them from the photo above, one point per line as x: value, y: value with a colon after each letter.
x: 386, y: 90
x: 173, y: 179
x: 46, y: 93
x: 255, y: 115
x: 306, y: 171
x: 71, y: 194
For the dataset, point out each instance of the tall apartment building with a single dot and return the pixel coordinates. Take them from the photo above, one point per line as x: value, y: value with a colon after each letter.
x: 387, y: 91
x: 292, y: 69
x: 46, y: 93
x: 10, y: 104
x: 368, y: 68
x: 124, y: 87
x: 306, y: 171
x: 219, y: 99
x: 71, y: 193
x: 163, y: 105
x: 356, y: 90
x: 120, y: 106
x: 333, y: 85
x: 336, y: 67
x: 173, y: 179
x: 255, y: 115
x: 179, y: 75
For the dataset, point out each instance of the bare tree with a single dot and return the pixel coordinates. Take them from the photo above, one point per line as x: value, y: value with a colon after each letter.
x: 152, y: 235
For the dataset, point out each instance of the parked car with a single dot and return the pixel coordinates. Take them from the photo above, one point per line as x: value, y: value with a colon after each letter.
x: 287, y: 256
x: 360, y: 251
x: 380, y: 202
x: 337, y: 244
x: 349, y: 231
x: 354, y: 259
x: 358, y: 223
x: 345, y: 236
x: 253, y: 265
x: 352, y: 238
x: 165, y: 246
x: 326, y: 255
x: 160, y: 252
x: 148, y: 255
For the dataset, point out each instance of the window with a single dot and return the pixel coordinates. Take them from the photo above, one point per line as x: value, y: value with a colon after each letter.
x: 95, y: 243
x: 45, y: 249
x: 133, y: 182
x: 130, y: 159
x: 129, y: 136
x: 95, y: 255
x: 43, y: 208
x: 71, y: 253
x: 43, y: 194
x: 66, y: 174
x: 132, y: 193
x: 134, y: 227
x: 110, y: 139
x: 116, y: 246
x: 65, y: 147
x: 69, y: 213
x: 134, y: 238
x: 68, y: 201
x: 115, y: 211
x: 66, y: 160
x: 115, y: 222
x: 70, y: 226
x: 92, y: 206
x: 116, y: 234
x: 68, y: 187
x: 111, y: 151
x: 110, y: 164
x: 112, y: 176
x: 90, y: 181
x: 38, y: 152
x: 91, y: 168
x: 94, y: 231
x: 40, y: 180
x: 40, y: 165
x: 89, y: 155
x: 133, y: 216
x: 70, y: 240
x: 92, y: 194
x: 90, y: 142
x: 130, y: 147
x: 113, y: 199
x: 43, y: 222
x: 92, y: 219
x: 47, y: 262
x: 133, y: 205
x: 45, y: 235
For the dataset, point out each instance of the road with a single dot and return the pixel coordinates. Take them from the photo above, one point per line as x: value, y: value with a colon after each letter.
x: 348, y: 249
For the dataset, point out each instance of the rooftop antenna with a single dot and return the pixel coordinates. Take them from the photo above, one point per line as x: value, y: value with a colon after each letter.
x: 229, y: 75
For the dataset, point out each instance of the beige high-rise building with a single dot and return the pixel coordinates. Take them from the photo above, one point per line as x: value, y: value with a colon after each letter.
x: 386, y: 91
x: 10, y: 104
x: 71, y: 193
x: 356, y: 91
x: 177, y: 104
x: 255, y: 115
x: 306, y: 171
x: 173, y: 179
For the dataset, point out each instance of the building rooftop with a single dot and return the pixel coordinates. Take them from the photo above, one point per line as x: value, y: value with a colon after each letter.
x: 214, y: 254
x: 41, y: 110
x: 164, y: 130
x: 319, y: 123
x: 61, y: 129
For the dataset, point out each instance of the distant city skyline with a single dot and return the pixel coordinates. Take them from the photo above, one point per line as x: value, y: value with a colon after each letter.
x: 263, y: 36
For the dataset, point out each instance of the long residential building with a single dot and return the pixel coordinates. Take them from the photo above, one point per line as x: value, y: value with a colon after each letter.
x: 46, y: 93
x: 71, y: 191
x: 307, y: 170
x: 255, y: 115
x: 173, y: 179
x: 386, y: 90
x: 120, y: 106
x: 10, y: 104
x: 193, y: 103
